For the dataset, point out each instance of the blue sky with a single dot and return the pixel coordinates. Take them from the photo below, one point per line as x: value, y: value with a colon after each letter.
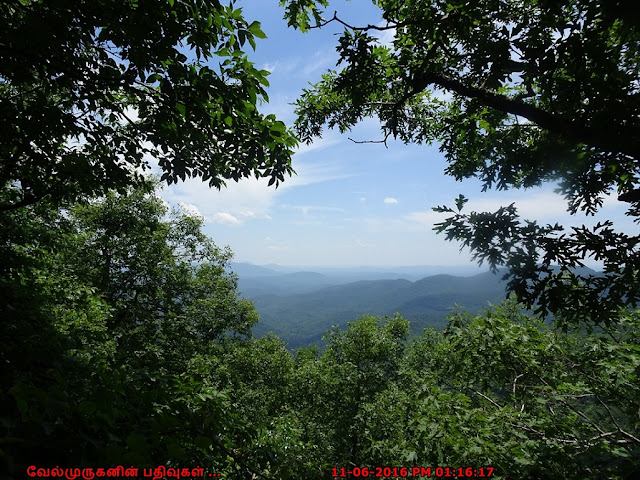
x: 350, y: 204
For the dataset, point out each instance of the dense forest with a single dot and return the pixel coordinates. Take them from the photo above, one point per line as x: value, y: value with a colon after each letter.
x: 302, y: 319
x: 126, y: 348
x: 133, y: 348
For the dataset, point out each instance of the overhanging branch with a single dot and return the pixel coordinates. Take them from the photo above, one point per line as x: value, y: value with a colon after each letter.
x: 570, y: 130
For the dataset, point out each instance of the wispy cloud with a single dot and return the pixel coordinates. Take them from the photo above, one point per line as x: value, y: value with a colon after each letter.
x: 311, y: 173
x: 539, y: 205
x: 270, y: 67
x: 320, y: 60
x: 360, y: 244
x: 225, y: 218
x: 390, y: 200
x: 277, y: 248
x: 318, y: 144
x: 306, y: 209
x: 246, y: 199
x: 423, y: 220
x: 302, y: 66
x: 542, y: 206
x: 249, y: 199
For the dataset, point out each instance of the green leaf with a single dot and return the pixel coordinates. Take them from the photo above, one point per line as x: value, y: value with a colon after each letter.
x: 460, y: 201
x: 255, y: 29
x: 204, y: 443
x: 154, y: 77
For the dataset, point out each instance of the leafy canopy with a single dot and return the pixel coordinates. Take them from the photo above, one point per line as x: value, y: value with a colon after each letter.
x: 124, y: 341
x: 516, y: 93
x: 114, y: 312
x: 90, y: 89
x: 497, y: 389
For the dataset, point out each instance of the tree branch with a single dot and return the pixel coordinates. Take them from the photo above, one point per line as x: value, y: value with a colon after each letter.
x: 361, y: 29
x: 236, y: 457
x: 570, y: 130
x: 486, y: 398
x: 580, y: 413
x: 384, y: 140
x: 25, y: 202
x: 589, y: 442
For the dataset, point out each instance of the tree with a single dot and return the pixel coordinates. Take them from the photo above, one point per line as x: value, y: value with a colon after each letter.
x: 344, y: 395
x: 113, y: 314
x: 516, y: 93
x: 90, y: 90
x: 504, y: 389
x: 162, y: 277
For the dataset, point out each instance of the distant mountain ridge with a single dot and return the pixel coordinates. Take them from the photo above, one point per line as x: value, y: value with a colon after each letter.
x: 300, y: 307
x: 257, y: 280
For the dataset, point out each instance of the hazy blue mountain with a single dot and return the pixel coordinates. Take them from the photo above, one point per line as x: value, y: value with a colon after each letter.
x: 300, y: 304
x: 250, y: 270
x: 303, y: 318
x: 282, y: 284
x: 257, y: 280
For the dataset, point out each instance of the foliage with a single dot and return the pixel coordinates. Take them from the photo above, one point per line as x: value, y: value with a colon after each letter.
x: 500, y: 389
x: 124, y: 342
x: 516, y: 93
x: 162, y: 277
x: 123, y: 339
x: 531, y: 401
x: 354, y: 374
x: 112, y: 313
x: 89, y: 90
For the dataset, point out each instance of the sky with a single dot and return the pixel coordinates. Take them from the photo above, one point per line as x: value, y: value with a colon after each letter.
x: 349, y: 204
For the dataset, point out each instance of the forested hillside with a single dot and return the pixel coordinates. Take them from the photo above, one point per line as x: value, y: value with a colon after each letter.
x: 302, y: 319
x: 126, y: 347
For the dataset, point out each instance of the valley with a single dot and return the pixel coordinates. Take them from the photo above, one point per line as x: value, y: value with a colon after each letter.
x: 300, y: 306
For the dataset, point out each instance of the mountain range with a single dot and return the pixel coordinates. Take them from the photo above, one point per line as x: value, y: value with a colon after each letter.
x: 300, y: 306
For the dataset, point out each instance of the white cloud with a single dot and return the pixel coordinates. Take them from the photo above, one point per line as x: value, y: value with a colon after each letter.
x: 190, y: 209
x: 306, y: 209
x: 270, y: 67
x: 277, y: 248
x: 225, y: 219
x: 246, y: 199
x: 390, y: 200
x: 303, y: 67
x: 535, y: 206
x: 542, y: 206
x: 308, y: 174
x: 318, y: 144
